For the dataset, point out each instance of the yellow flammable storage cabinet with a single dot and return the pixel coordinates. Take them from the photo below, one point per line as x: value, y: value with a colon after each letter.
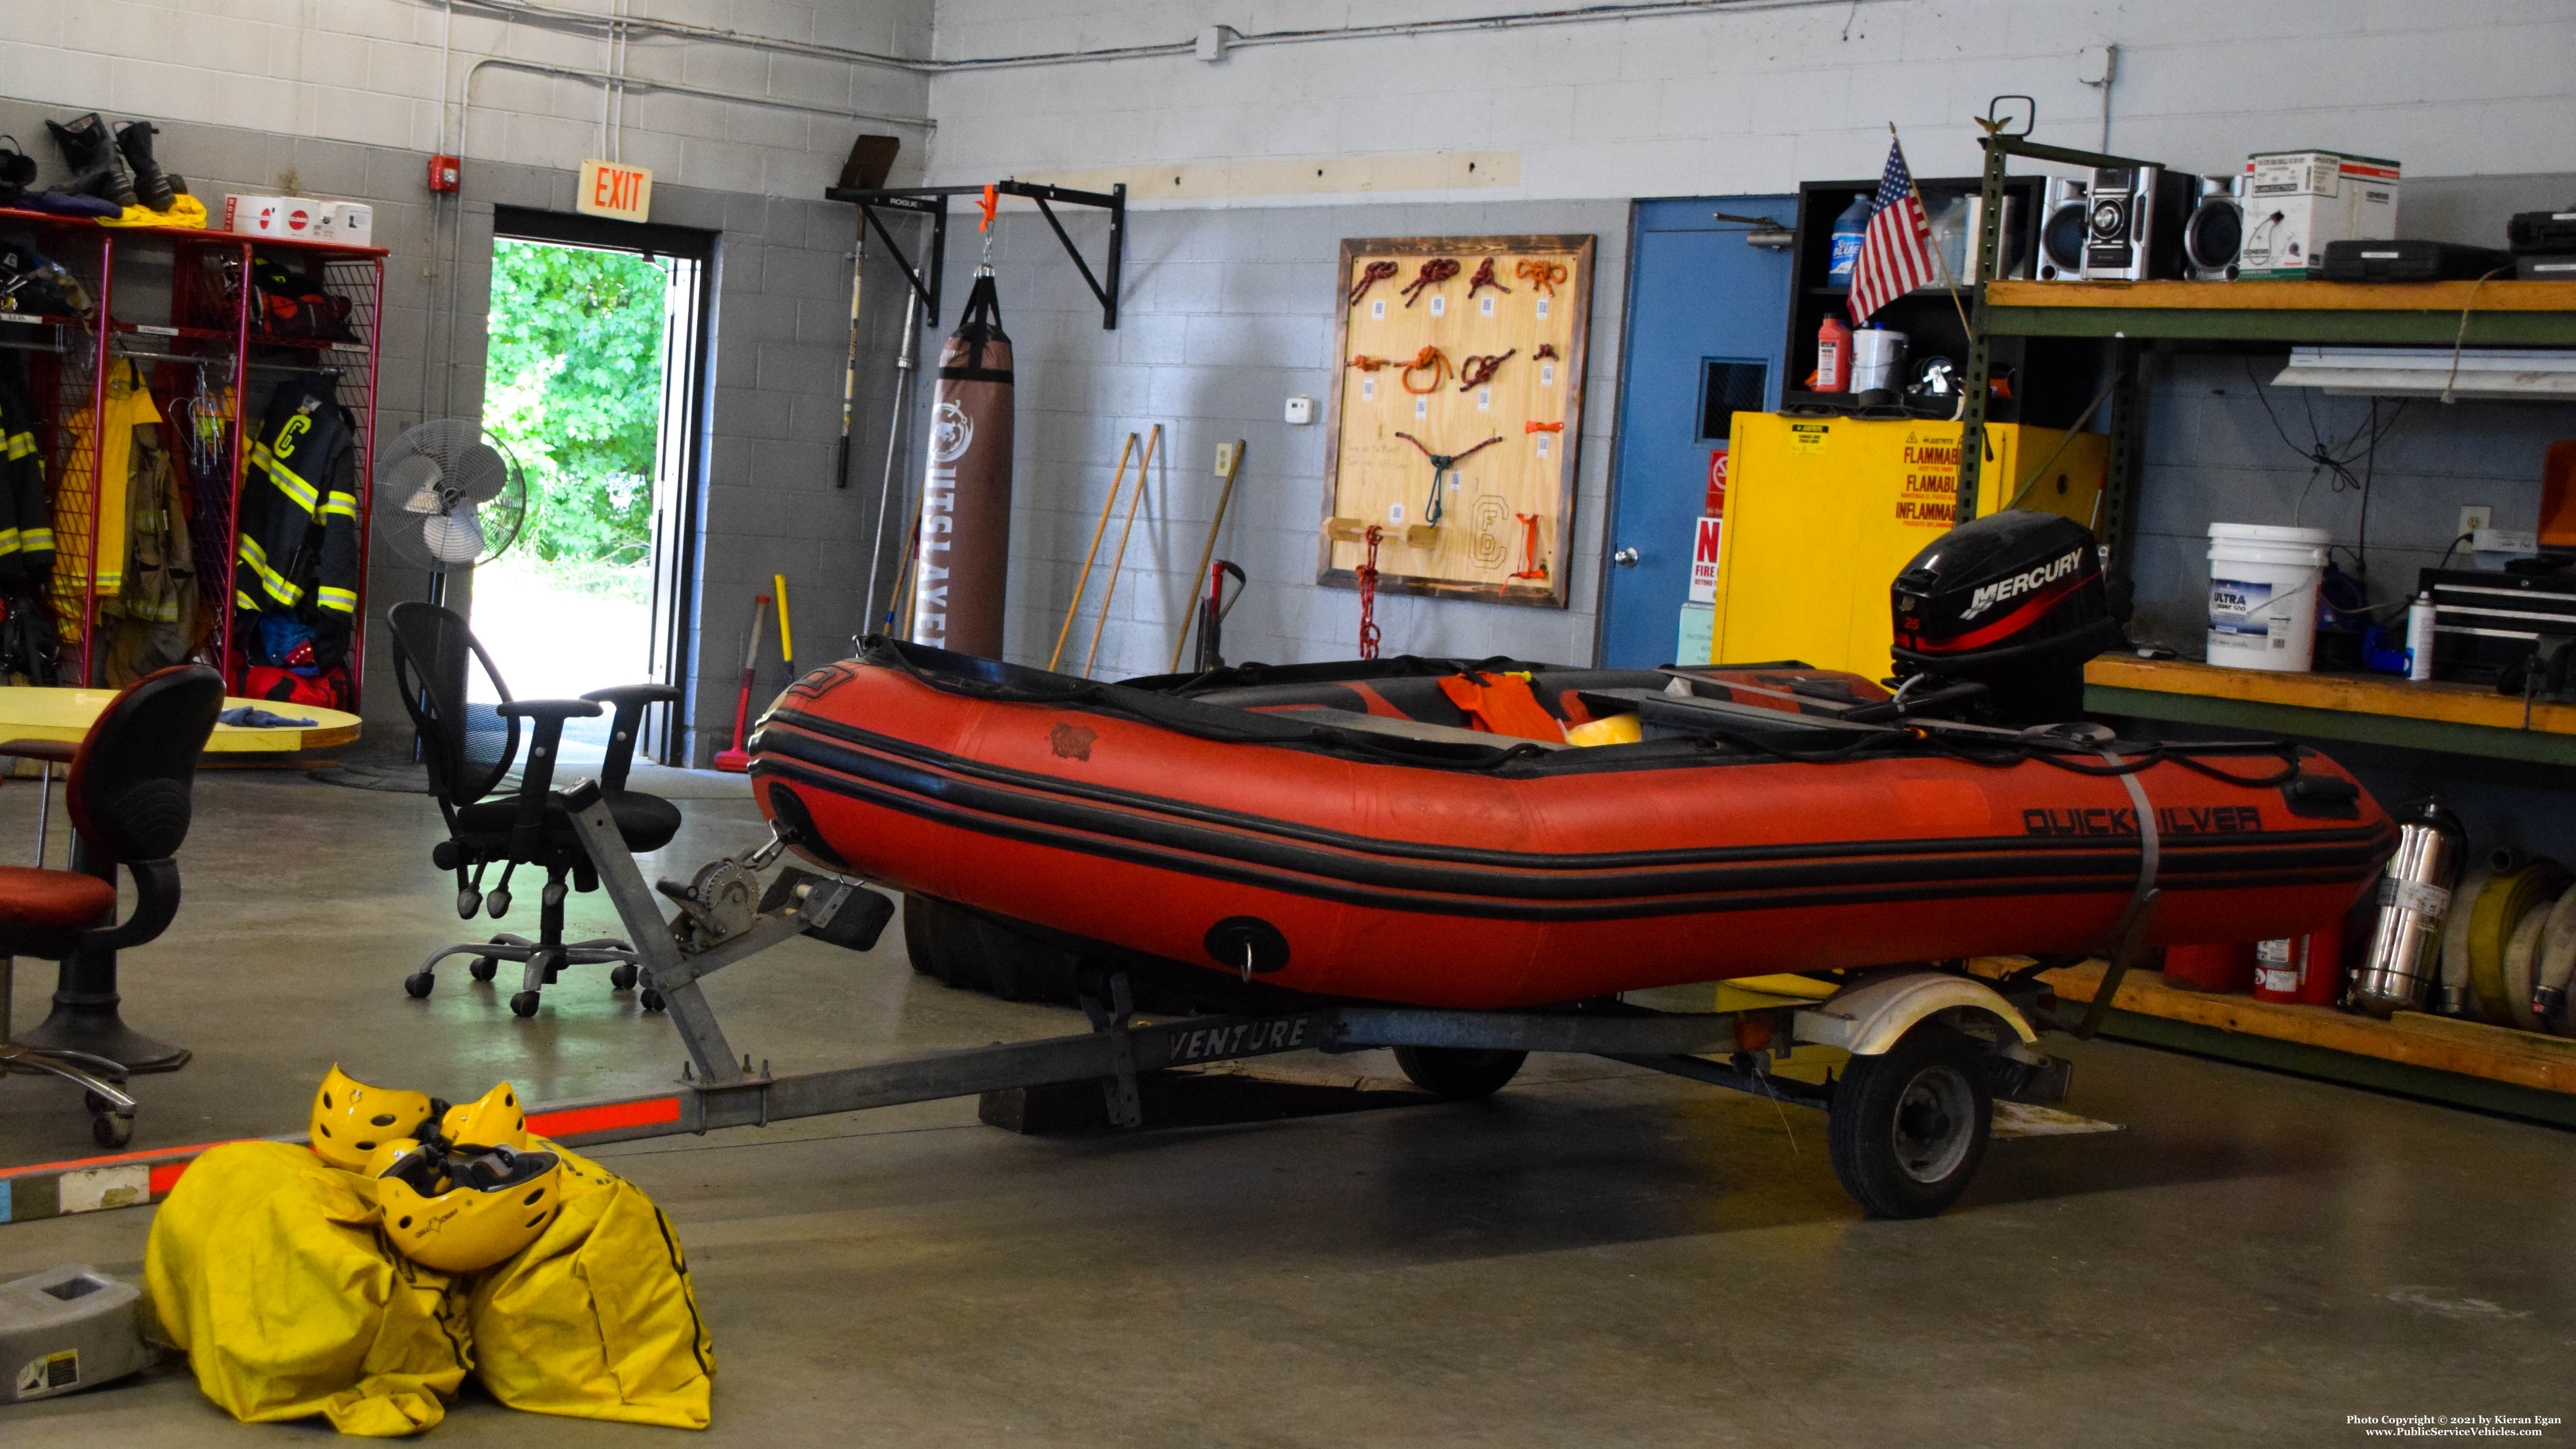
x: 1822, y: 513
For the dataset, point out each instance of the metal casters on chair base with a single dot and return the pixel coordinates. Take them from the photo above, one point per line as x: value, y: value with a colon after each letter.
x: 543, y: 962
x: 111, y: 1112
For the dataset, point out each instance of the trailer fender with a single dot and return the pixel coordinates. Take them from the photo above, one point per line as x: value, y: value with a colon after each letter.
x: 1868, y: 1019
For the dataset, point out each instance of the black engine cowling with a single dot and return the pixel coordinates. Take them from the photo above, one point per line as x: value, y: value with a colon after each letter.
x: 2014, y: 601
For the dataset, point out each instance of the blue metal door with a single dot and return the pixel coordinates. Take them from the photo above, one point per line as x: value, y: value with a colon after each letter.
x: 1706, y: 316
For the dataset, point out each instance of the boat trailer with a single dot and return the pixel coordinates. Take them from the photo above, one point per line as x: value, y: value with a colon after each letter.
x: 1931, y: 1049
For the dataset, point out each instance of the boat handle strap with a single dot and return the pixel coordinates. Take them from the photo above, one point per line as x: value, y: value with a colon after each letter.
x: 2129, y: 938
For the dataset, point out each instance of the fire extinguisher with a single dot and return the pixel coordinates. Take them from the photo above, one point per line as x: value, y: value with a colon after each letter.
x: 2302, y: 969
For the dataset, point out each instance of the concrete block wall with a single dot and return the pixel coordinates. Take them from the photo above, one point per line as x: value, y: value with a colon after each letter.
x: 1226, y: 314
x: 1757, y: 98
x: 2215, y: 453
x: 375, y: 72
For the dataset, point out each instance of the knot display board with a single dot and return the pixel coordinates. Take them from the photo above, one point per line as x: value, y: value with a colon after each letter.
x: 1455, y: 415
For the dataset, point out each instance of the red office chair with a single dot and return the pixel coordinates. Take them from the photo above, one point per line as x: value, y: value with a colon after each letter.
x: 129, y: 794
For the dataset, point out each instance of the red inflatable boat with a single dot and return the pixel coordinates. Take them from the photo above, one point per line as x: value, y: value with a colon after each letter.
x: 1419, y: 831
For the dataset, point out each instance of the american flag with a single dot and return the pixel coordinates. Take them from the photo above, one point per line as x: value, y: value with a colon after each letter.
x: 1896, y: 251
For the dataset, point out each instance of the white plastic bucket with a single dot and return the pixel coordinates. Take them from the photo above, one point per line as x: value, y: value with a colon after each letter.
x: 1876, y: 355
x: 2263, y: 595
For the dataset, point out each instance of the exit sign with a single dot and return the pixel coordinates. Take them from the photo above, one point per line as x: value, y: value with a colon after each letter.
x: 608, y: 189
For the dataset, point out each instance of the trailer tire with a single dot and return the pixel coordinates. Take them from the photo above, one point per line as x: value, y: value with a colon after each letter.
x: 1023, y: 969
x: 916, y: 932
x: 1908, y: 1127
x: 1461, y: 1074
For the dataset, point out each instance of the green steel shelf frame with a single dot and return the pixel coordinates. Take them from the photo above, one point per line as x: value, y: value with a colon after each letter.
x: 2499, y: 323
x: 2398, y: 731
x: 2509, y: 1099
x: 2429, y: 327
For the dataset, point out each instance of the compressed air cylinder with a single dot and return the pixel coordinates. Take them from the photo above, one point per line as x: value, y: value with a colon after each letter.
x: 2414, y: 897
x: 965, y: 542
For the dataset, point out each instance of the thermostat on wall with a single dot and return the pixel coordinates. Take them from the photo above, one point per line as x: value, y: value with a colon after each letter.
x: 1301, y: 410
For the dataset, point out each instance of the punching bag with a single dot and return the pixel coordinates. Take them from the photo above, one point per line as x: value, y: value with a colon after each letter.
x: 965, y: 543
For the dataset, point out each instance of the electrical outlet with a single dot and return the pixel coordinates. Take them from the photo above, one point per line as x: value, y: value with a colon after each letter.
x: 2474, y: 516
x: 1225, y: 458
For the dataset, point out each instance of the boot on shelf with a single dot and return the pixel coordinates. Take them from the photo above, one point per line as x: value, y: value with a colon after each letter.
x: 17, y: 171
x: 157, y: 187
x: 98, y: 169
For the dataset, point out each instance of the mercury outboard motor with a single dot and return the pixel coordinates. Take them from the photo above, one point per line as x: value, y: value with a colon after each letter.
x: 2013, y: 601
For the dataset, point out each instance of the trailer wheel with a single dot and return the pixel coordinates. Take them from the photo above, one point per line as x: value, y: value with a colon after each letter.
x: 1908, y: 1127
x: 1460, y: 1074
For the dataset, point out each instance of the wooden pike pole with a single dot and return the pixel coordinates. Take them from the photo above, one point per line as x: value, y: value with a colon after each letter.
x: 1082, y: 582
x: 1144, y: 469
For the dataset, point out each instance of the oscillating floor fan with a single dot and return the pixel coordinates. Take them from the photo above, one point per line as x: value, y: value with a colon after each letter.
x: 450, y: 497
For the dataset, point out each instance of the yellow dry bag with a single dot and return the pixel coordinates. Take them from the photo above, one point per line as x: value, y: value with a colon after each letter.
x: 595, y: 1319
x: 265, y: 1267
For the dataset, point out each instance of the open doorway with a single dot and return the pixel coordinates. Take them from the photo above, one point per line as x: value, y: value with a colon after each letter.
x: 593, y: 379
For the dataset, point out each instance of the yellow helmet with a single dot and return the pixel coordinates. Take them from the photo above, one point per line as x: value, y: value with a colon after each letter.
x: 495, y: 1120
x: 466, y: 1211
x: 350, y: 1119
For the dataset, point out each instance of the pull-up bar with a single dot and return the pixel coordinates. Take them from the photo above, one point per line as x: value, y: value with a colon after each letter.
x: 932, y: 202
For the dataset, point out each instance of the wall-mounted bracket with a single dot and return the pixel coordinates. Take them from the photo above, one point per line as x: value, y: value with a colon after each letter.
x: 932, y: 201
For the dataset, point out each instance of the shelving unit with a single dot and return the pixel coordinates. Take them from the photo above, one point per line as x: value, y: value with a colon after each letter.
x: 2060, y: 379
x: 2465, y: 1062
x: 2378, y: 709
x: 211, y: 322
x: 2499, y: 313
x: 2128, y: 314
x: 2491, y: 1068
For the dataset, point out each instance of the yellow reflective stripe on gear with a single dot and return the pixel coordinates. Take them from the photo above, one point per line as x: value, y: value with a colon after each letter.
x: 10, y: 541
x: 341, y: 503
x: 344, y: 600
x: 275, y: 583
x: 306, y: 496
x: 33, y: 539
x: 245, y: 601
x: 20, y: 445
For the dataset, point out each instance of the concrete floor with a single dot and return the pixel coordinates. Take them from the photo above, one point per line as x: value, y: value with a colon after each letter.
x: 1596, y: 1256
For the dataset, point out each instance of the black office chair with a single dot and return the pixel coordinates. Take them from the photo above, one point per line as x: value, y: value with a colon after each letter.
x: 131, y: 794
x: 469, y: 749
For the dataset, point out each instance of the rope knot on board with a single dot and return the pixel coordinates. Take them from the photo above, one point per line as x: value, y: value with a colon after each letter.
x: 1431, y: 360
x: 1434, y: 272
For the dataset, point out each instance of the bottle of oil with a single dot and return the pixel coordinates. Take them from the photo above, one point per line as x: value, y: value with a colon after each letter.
x: 1833, y: 356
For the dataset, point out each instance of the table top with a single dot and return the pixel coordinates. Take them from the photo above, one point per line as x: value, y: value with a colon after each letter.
x: 30, y: 713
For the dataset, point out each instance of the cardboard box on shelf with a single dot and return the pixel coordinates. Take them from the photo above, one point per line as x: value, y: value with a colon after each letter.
x: 349, y: 223
x: 2298, y: 201
x: 295, y: 217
